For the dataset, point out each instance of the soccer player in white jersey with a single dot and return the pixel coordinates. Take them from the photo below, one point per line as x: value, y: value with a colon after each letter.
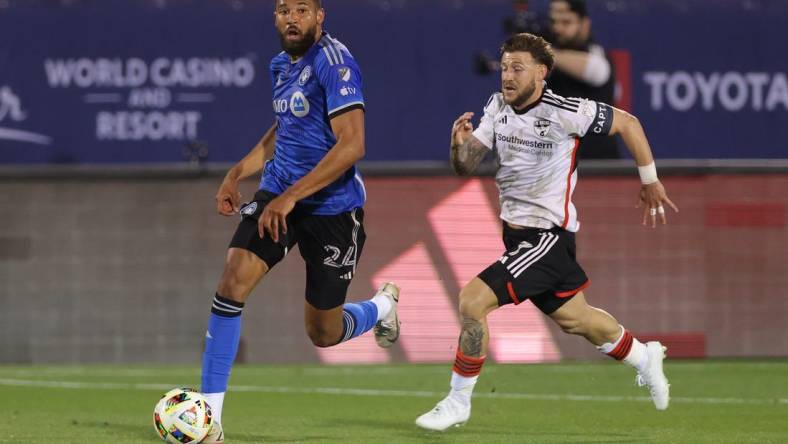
x: 535, y: 135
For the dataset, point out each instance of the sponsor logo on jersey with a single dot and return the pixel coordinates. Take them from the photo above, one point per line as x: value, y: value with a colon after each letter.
x: 514, y: 140
x: 344, y: 73
x: 542, y: 127
x: 347, y: 90
x: 305, y: 75
x: 503, y: 120
x: 280, y: 106
x: 299, y: 105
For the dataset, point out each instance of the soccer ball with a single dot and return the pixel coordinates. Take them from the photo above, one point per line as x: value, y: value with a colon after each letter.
x: 182, y: 416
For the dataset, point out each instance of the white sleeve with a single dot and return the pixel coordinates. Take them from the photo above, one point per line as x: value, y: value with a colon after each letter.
x: 590, y: 116
x: 597, y: 68
x: 485, y: 132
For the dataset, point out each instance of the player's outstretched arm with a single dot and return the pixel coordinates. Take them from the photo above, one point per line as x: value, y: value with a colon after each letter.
x: 349, y: 149
x: 652, y: 194
x: 228, y: 198
x: 466, y: 150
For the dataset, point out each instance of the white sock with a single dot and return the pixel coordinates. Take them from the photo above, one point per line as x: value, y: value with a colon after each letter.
x: 383, y: 303
x: 608, y: 347
x: 215, y: 400
x: 637, y: 356
x: 462, y: 387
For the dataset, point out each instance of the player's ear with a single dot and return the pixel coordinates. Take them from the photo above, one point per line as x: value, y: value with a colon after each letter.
x: 541, y: 72
x: 321, y: 16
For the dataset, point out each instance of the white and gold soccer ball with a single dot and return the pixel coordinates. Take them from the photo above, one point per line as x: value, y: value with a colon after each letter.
x: 182, y: 416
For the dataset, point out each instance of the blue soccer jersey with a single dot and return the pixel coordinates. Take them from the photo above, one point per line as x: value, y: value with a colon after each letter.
x: 323, y: 84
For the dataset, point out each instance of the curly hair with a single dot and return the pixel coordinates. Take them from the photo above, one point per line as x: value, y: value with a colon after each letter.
x: 538, y: 47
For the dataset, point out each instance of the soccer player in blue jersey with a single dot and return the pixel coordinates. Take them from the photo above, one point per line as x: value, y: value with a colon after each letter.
x: 311, y: 194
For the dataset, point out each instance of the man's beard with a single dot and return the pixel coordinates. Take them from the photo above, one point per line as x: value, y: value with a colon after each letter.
x: 574, y: 43
x: 298, y: 48
x: 522, y: 98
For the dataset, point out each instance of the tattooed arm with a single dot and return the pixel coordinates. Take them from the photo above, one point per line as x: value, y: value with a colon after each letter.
x: 466, y: 150
x: 466, y: 157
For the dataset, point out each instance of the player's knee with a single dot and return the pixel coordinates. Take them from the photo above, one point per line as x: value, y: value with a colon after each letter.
x: 471, y: 304
x: 321, y: 337
x: 232, y: 288
x: 242, y: 271
x: 235, y: 284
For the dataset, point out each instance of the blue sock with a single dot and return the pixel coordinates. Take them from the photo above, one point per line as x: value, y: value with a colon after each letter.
x: 357, y: 319
x: 221, y: 344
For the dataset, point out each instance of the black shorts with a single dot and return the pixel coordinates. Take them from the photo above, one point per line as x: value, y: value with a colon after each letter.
x: 330, y: 246
x: 539, y: 265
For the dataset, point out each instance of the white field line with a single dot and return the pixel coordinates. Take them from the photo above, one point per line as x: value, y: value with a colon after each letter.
x: 372, y: 392
x: 65, y: 372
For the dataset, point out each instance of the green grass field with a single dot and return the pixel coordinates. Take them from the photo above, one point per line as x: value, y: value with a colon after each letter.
x: 712, y: 401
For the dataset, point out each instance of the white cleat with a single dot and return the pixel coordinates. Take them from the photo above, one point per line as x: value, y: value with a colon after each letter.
x: 387, y: 329
x: 447, y: 413
x: 654, y: 377
x: 215, y: 436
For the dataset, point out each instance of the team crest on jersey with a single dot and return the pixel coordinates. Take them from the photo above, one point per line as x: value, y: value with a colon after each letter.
x: 305, y: 75
x: 344, y: 73
x: 542, y: 127
x: 299, y: 105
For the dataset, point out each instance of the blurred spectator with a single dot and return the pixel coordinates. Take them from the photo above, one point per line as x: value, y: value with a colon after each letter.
x: 582, y: 69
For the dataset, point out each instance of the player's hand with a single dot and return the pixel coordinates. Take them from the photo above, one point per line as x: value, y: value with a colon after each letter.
x: 274, y: 217
x: 653, y: 200
x: 462, y: 129
x: 228, y: 198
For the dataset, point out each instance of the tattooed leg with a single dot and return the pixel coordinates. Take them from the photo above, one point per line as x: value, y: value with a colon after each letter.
x: 476, y: 301
x: 474, y: 337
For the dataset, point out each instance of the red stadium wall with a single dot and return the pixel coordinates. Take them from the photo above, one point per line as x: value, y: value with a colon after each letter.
x: 128, y: 274
x: 711, y: 283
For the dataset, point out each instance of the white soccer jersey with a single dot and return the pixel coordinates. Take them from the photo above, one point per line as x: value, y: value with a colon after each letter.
x: 537, y: 151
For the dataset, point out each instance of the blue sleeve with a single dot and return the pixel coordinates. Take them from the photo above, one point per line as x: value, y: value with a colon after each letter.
x: 340, y: 78
x: 272, y: 72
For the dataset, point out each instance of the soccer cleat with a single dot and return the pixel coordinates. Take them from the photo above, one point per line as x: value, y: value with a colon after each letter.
x: 447, y: 413
x: 654, y: 377
x: 215, y: 435
x: 387, y: 329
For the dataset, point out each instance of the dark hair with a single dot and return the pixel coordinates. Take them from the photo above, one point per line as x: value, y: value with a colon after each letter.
x: 579, y: 7
x: 318, y: 3
x: 538, y: 47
